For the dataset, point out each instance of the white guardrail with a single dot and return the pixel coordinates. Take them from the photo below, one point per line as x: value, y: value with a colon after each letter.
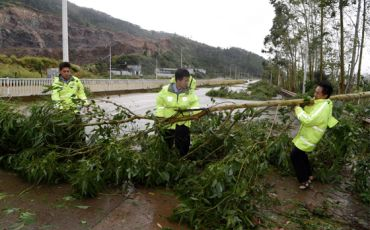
x: 20, y: 87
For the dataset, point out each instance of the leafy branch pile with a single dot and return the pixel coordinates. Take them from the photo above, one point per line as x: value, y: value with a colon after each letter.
x: 220, y: 182
x: 228, y: 191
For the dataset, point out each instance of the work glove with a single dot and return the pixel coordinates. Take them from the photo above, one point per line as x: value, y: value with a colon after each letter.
x: 307, y: 100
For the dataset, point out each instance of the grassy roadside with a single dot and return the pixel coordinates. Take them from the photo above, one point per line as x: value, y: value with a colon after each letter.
x: 261, y: 90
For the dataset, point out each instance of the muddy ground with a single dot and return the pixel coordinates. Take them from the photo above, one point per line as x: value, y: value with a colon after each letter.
x: 24, y: 206
x: 322, y: 206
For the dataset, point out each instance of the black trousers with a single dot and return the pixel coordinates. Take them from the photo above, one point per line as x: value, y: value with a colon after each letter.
x: 301, y: 164
x: 181, y: 136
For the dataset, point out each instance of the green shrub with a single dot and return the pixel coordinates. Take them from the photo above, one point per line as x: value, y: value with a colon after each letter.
x: 362, y: 179
x: 34, y: 67
x: 261, y: 90
x: 16, y: 71
x: 5, y: 59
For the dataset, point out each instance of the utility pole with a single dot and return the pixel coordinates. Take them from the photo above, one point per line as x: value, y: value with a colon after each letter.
x: 181, y: 56
x: 156, y: 66
x: 110, y: 62
x: 65, y: 30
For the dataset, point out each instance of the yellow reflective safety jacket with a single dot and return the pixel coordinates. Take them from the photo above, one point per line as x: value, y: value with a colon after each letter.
x: 66, y: 93
x: 314, y: 121
x: 168, y: 102
x: 192, y: 82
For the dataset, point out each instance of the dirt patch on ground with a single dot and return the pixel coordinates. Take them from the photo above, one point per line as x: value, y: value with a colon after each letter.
x: 145, y: 210
x: 22, y: 205
x: 52, y: 207
x: 322, y: 206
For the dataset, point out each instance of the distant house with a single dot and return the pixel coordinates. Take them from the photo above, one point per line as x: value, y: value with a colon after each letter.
x: 134, y: 69
x: 170, y: 72
x: 120, y: 72
x: 165, y: 72
x: 130, y: 70
x: 197, y: 71
x: 52, y: 72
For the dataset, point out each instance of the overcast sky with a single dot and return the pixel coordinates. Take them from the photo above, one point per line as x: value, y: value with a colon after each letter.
x: 219, y: 23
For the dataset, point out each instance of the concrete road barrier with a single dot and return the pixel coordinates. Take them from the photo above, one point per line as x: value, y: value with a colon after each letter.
x: 23, y: 87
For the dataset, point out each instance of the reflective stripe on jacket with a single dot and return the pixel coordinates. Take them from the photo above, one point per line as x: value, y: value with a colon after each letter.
x: 314, y: 121
x: 65, y: 94
x: 169, y: 101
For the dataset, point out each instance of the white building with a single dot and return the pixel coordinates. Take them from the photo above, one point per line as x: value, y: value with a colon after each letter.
x: 170, y: 72
x: 130, y: 70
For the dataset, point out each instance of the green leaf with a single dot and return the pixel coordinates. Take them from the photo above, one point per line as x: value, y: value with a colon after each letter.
x: 214, y: 182
x: 69, y: 198
x: 165, y: 176
x: 27, y: 217
x: 3, y: 195
x: 82, y: 206
x: 60, y: 205
x: 219, y: 187
x: 8, y: 211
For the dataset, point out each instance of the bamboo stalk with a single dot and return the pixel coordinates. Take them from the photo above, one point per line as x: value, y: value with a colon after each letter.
x: 270, y: 103
x: 254, y: 104
x: 115, y: 122
x: 341, y: 97
x: 350, y: 96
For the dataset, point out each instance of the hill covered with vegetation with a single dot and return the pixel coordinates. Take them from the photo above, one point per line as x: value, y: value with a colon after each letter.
x: 33, y: 28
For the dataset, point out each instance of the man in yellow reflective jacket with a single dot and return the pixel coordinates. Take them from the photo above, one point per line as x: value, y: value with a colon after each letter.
x: 68, y: 94
x: 314, y: 120
x: 67, y: 90
x: 172, y: 98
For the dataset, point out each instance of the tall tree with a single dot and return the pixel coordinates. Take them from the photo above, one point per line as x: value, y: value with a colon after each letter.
x: 314, y: 24
x: 342, y: 4
x: 362, y: 44
x: 322, y: 38
x: 323, y: 4
x: 354, y: 47
x: 308, y: 13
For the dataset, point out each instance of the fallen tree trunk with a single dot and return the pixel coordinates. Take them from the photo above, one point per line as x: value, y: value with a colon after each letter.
x: 270, y: 103
x: 341, y: 97
x: 255, y: 104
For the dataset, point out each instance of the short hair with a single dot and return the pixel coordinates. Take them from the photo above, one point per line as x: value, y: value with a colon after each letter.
x: 64, y: 65
x: 181, y: 73
x: 327, y: 89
